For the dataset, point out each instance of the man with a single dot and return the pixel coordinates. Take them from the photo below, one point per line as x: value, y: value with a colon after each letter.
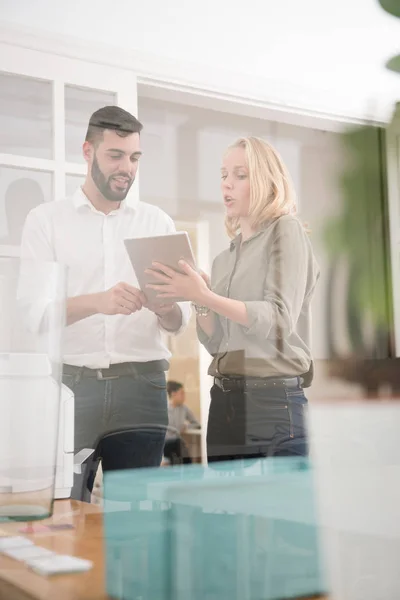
x: 114, y: 354
x: 179, y: 417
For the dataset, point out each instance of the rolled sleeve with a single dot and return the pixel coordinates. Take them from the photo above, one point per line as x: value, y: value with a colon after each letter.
x: 287, y: 271
x: 36, y: 238
x: 213, y: 343
x: 38, y: 278
x: 186, y: 312
x: 38, y: 292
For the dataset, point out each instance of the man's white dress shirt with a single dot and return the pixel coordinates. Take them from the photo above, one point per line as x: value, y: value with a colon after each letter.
x: 90, y: 244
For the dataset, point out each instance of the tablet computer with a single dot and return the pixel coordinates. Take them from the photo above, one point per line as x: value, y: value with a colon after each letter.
x: 165, y: 249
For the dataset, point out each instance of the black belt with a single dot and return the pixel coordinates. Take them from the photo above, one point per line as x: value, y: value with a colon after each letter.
x: 127, y: 369
x: 232, y: 384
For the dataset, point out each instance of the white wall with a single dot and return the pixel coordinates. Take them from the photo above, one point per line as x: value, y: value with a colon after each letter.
x: 179, y: 172
x: 322, y: 56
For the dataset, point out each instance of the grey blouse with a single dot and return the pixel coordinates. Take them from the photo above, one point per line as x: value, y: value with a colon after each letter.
x: 274, y: 273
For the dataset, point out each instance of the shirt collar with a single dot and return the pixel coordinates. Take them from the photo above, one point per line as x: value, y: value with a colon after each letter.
x: 80, y: 199
x: 237, y: 240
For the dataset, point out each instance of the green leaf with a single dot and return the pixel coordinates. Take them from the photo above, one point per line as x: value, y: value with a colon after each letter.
x: 394, y: 64
x: 391, y: 6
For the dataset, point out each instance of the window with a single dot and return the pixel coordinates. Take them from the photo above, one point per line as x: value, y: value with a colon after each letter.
x: 45, y: 105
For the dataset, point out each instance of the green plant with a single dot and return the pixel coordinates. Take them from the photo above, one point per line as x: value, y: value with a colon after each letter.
x: 360, y: 232
x: 393, y: 8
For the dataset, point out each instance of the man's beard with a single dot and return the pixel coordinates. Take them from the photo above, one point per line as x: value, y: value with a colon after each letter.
x: 103, y: 184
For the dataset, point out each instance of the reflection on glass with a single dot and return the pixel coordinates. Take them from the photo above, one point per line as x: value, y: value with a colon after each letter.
x: 21, y: 190
x: 26, y: 116
x: 359, y: 328
x: 356, y: 465
x: 32, y: 315
x: 72, y: 182
x: 243, y: 529
x: 80, y: 103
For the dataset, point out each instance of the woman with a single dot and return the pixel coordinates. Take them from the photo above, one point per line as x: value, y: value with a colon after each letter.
x: 254, y: 317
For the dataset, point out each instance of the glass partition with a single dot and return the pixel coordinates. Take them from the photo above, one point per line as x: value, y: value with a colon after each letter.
x: 32, y: 317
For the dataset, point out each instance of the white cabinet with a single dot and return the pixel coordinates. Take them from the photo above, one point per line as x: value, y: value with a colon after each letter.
x: 45, y: 104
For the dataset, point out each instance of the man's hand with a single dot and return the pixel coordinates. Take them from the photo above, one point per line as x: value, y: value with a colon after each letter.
x: 169, y: 314
x: 122, y: 299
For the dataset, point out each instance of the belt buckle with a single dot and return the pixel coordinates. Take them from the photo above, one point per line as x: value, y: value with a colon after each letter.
x: 100, y: 376
x: 222, y: 384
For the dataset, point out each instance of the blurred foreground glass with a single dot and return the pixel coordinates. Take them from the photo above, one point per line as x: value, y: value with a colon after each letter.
x: 32, y: 318
x: 355, y: 452
x: 239, y: 530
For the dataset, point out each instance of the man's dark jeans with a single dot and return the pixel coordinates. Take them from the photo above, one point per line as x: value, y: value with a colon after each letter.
x: 103, y: 405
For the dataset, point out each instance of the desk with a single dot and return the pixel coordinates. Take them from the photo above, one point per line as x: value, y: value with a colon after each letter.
x: 17, y: 582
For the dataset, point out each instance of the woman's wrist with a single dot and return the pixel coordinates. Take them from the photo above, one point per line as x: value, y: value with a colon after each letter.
x: 201, y: 310
x: 204, y: 299
x: 200, y: 304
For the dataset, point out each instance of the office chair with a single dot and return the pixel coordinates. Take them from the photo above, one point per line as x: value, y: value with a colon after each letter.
x: 175, y: 449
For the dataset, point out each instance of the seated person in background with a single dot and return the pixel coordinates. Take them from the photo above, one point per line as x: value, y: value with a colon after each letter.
x: 179, y: 416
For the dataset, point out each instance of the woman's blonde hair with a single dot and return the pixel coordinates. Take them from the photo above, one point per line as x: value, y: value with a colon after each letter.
x: 271, y: 189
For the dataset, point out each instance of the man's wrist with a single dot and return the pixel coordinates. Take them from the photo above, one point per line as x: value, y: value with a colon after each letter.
x: 95, y: 302
x: 172, y: 320
x: 174, y: 309
x: 171, y: 315
x: 81, y: 307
